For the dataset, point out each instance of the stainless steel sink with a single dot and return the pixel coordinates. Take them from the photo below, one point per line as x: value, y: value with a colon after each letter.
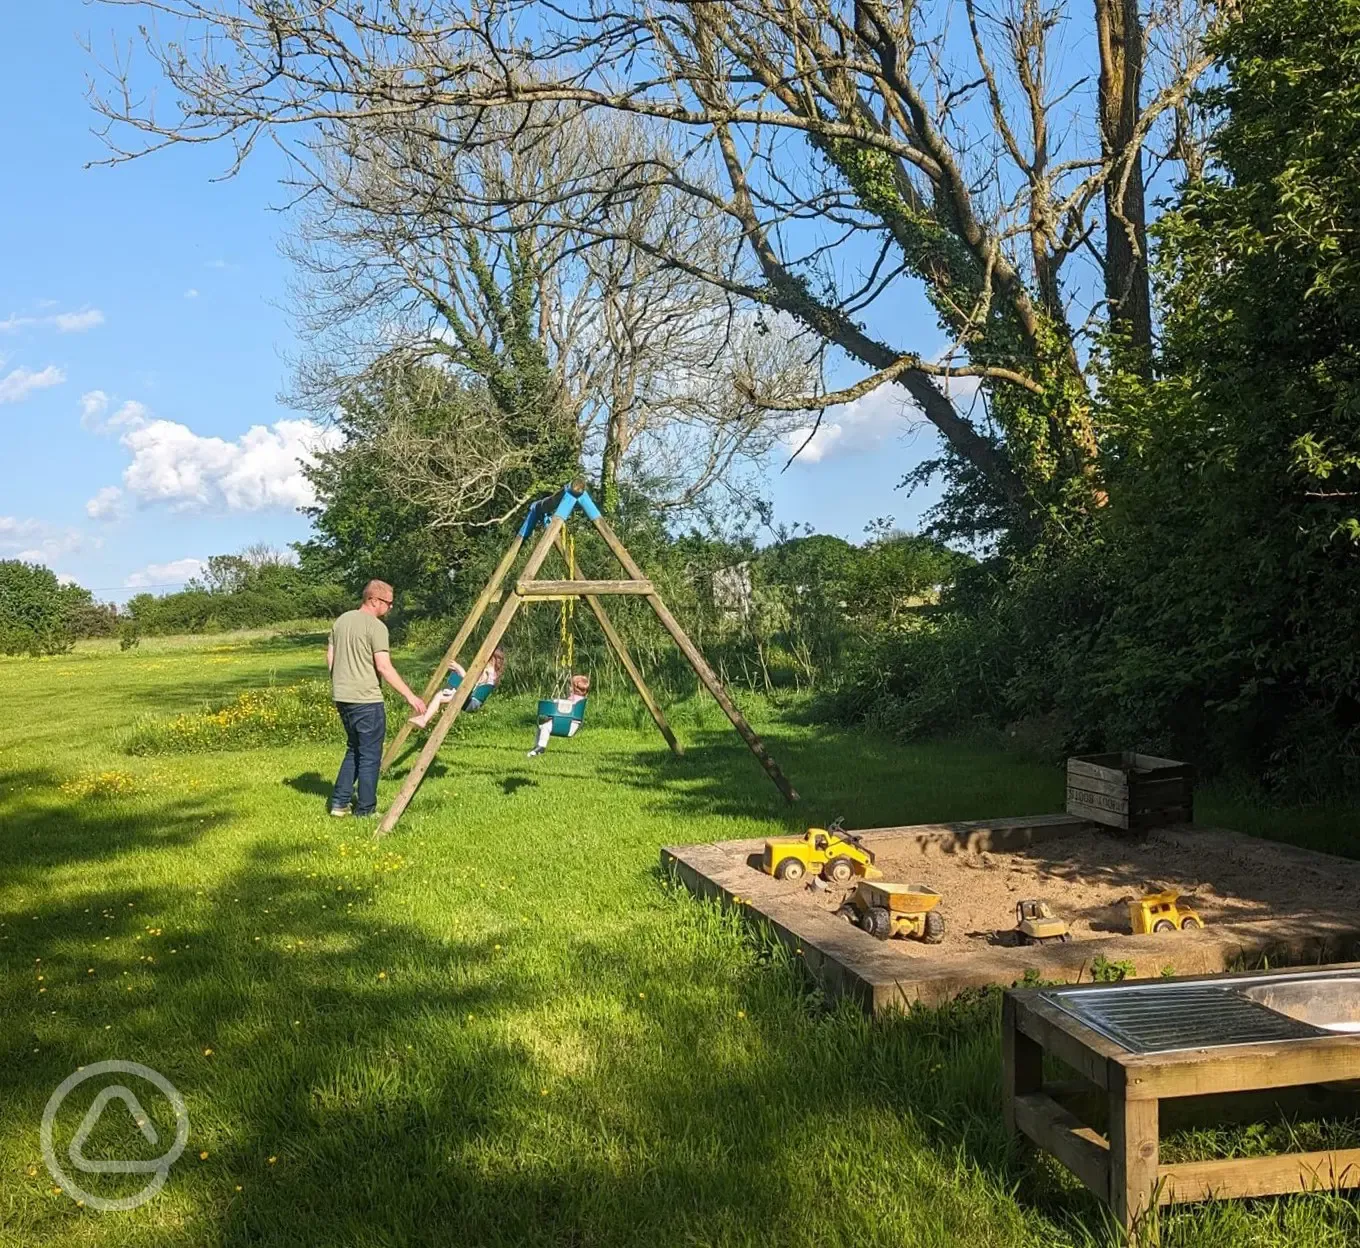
x: 1215, y: 1013
x: 1332, y: 1003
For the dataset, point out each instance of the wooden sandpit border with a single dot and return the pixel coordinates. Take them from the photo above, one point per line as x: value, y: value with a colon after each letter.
x: 850, y: 963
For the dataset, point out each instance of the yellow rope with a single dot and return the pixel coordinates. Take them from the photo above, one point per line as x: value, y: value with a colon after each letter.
x: 566, y: 653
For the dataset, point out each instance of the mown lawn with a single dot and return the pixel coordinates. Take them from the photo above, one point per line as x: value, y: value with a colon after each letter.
x: 501, y: 1025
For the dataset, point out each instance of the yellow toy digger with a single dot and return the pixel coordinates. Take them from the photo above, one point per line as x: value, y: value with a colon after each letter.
x: 1158, y: 912
x: 886, y: 910
x: 834, y: 854
x: 1036, y: 924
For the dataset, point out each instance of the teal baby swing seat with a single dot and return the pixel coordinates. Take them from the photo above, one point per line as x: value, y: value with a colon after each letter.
x: 564, y: 722
x: 479, y: 694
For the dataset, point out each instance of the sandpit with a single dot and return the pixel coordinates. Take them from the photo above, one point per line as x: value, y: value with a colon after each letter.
x: 1089, y: 876
x: 1259, y: 900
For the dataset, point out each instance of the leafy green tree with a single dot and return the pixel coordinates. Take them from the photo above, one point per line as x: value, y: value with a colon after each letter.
x: 34, y: 609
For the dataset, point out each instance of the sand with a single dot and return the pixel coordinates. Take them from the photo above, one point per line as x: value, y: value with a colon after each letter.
x: 1089, y: 877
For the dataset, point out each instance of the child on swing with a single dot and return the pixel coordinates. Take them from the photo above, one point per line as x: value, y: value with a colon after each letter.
x: 580, y: 686
x: 491, y: 675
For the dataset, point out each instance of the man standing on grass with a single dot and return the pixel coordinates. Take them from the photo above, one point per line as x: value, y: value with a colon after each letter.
x: 359, y: 658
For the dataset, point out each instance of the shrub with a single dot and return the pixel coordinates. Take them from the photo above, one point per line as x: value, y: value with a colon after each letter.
x: 278, y: 715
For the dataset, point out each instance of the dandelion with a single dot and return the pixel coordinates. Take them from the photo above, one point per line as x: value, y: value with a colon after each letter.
x: 203, y: 1156
x: 207, y: 1052
x: 382, y: 974
x: 273, y: 1160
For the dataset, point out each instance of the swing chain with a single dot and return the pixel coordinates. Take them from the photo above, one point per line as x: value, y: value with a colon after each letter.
x: 566, y: 656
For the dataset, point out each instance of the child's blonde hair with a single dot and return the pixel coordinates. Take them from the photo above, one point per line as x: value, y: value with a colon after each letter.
x: 580, y: 684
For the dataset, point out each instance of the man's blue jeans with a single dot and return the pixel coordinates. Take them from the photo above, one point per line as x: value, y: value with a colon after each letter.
x: 365, y: 728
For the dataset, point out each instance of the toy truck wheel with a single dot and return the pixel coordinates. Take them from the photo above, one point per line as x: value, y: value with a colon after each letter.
x: 877, y: 922
x: 789, y: 869
x: 848, y: 911
x: 839, y: 871
x: 934, y: 927
x: 1189, y: 924
x: 1164, y: 925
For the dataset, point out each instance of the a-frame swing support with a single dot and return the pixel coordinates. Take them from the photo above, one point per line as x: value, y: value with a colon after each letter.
x: 554, y: 512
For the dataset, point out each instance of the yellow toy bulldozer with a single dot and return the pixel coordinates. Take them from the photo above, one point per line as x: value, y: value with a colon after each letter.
x: 1036, y: 924
x: 834, y: 854
x: 1158, y: 912
x: 885, y: 910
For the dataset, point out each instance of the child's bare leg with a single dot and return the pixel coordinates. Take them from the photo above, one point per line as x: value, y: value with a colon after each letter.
x: 444, y: 695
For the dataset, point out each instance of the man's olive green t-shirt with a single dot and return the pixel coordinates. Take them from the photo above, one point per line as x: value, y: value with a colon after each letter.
x: 356, y: 637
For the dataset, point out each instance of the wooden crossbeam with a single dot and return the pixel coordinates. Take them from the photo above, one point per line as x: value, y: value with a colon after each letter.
x: 580, y: 589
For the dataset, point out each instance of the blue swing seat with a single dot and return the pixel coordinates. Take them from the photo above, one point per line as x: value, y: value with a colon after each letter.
x: 479, y: 694
x: 566, y: 718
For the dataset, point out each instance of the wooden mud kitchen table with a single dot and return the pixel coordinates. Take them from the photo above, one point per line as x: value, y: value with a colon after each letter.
x: 1152, y: 1055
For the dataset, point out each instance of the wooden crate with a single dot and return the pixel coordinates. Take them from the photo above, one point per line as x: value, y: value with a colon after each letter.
x: 1130, y: 791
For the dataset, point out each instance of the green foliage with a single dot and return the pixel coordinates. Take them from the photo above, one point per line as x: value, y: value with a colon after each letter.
x: 39, y: 615
x: 235, y: 591
x: 275, y: 715
x: 1105, y: 971
x: 1210, y: 610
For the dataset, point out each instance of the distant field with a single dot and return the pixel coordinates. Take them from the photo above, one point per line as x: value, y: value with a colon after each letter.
x: 501, y: 1025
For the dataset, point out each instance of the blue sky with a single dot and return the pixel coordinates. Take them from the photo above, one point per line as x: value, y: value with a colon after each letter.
x: 144, y: 343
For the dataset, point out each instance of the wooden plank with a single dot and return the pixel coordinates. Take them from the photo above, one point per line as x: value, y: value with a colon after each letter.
x: 1259, y: 1176
x: 1097, y: 815
x: 1098, y: 801
x: 1086, y: 1051
x: 464, y: 691
x: 1150, y: 762
x: 1084, y: 1151
x: 580, y: 588
x: 1092, y: 784
x: 706, y: 674
x: 1111, y: 769
x: 1233, y: 1068
x: 1022, y: 1064
x: 490, y: 593
x: 1134, y: 1172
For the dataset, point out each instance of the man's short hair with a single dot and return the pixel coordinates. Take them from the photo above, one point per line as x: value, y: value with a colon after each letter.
x: 377, y: 589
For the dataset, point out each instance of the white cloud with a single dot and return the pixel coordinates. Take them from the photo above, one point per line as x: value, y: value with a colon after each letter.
x: 65, y: 578
x: 191, y: 293
x: 869, y: 423
x: 865, y: 424
x: 62, y: 322
x: 175, y: 572
x: 95, y: 403
x: 22, y: 382
x: 35, y: 542
x: 77, y: 322
x: 261, y: 469
x: 106, y: 505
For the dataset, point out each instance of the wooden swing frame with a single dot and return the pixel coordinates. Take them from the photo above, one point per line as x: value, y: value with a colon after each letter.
x: 553, y: 513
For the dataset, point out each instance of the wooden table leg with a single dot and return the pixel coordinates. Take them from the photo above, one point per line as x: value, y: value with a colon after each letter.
x: 1134, y: 1149
x: 1022, y: 1064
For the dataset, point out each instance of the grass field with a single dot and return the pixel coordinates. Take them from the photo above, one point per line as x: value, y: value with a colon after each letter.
x: 501, y: 1025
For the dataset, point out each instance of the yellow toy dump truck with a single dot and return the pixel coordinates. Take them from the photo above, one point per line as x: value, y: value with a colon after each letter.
x: 834, y: 854
x: 885, y: 910
x: 1036, y: 924
x: 1158, y: 912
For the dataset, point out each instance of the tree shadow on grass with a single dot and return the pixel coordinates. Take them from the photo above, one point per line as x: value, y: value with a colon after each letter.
x: 505, y: 1085
x: 41, y: 828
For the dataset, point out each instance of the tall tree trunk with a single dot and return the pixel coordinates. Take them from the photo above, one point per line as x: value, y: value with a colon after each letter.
x: 615, y: 444
x: 1119, y: 33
